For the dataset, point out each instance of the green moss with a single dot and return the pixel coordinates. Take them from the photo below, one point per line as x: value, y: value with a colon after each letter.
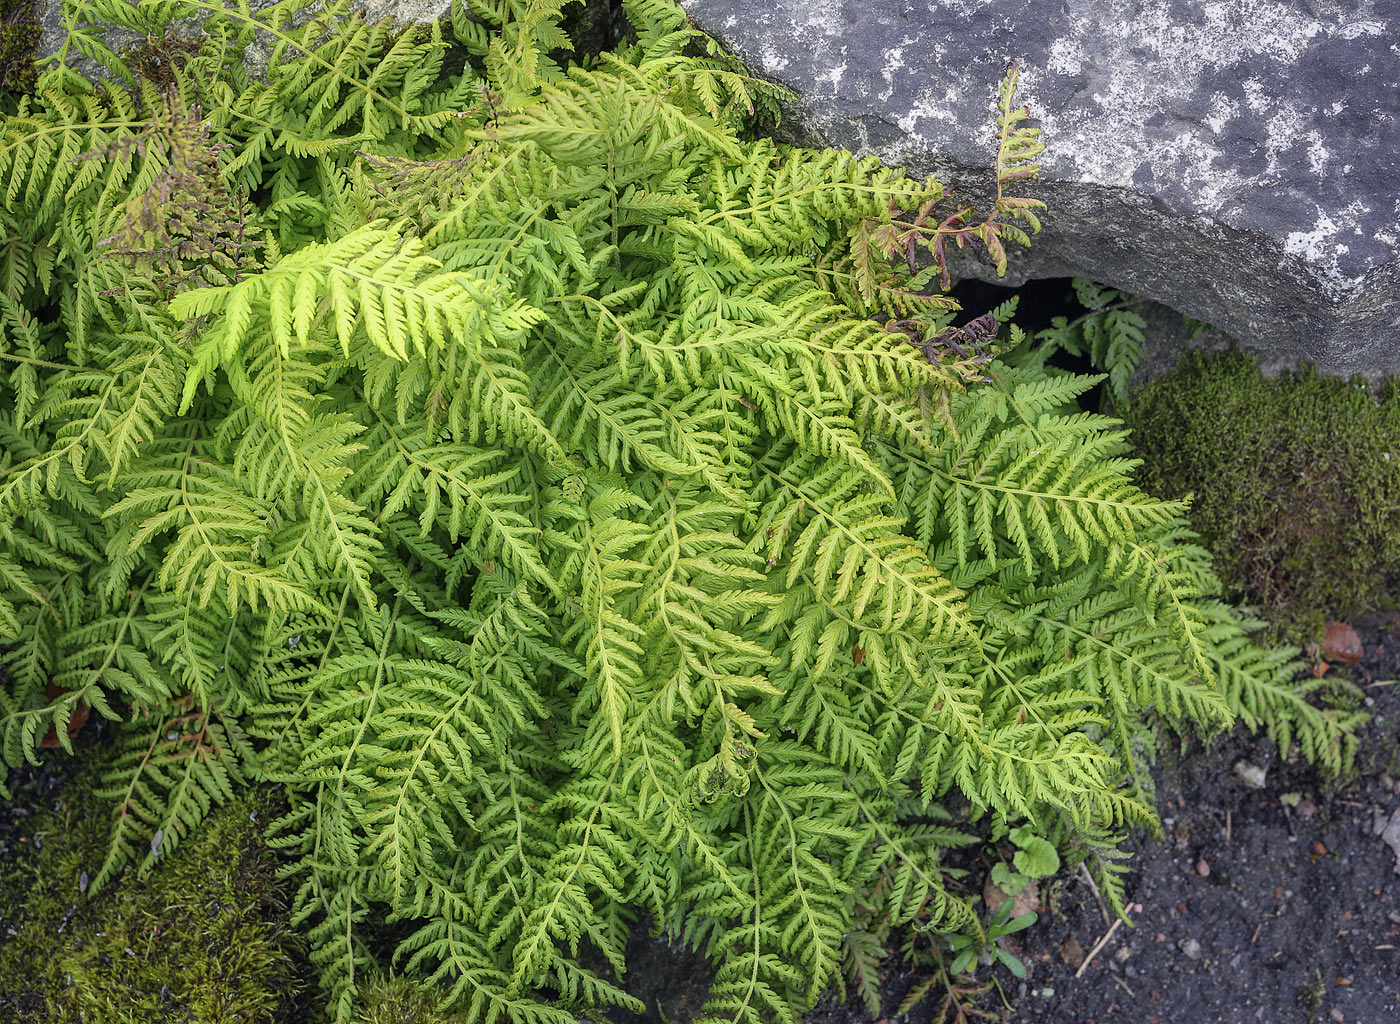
x: 19, y: 37
x: 203, y: 938
x: 1296, y: 482
x: 396, y: 1000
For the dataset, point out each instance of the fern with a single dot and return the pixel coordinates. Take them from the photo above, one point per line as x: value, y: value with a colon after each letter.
x: 578, y: 504
x: 1110, y: 336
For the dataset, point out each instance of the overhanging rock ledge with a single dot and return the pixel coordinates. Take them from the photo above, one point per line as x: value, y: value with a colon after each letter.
x: 1237, y: 160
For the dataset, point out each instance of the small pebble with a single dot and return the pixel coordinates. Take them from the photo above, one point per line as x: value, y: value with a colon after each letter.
x: 1202, y: 868
x: 1307, y: 809
x: 1251, y: 775
x: 1319, y: 848
x: 1192, y: 949
x: 1339, y: 1016
x: 1122, y: 953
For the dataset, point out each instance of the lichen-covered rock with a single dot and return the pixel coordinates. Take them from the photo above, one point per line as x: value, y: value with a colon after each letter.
x: 1234, y: 159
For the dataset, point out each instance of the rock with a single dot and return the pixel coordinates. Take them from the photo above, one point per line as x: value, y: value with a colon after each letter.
x: 1251, y: 775
x: 1234, y: 160
x: 1203, y: 868
x: 1191, y: 948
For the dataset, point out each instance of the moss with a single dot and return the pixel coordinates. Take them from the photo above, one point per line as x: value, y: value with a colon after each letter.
x: 396, y: 1000
x: 1296, y: 482
x: 19, y: 37
x: 203, y: 938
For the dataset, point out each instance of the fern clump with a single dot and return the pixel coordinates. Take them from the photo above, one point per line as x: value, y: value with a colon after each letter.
x: 578, y: 504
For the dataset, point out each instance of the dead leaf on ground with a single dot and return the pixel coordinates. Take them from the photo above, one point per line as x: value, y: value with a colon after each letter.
x: 76, y: 719
x: 1071, y: 952
x: 1340, y: 643
x: 1023, y: 902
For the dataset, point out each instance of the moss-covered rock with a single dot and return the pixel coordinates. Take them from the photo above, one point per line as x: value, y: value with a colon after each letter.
x: 1296, y: 481
x: 203, y: 938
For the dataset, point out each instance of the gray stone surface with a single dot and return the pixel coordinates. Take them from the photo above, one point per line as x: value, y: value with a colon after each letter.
x: 1237, y: 160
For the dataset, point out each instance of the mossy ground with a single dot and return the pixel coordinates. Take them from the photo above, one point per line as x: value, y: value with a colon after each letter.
x: 1296, y: 482
x: 19, y: 36
x: 203, y: 938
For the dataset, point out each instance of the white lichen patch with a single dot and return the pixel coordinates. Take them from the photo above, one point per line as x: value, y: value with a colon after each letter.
x: 1321, y: 249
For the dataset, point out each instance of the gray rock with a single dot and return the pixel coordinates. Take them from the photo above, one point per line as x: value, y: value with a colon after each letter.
x: 1237, y: 160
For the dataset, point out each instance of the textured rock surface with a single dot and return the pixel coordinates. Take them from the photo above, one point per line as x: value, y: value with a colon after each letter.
x: 1238, y: 160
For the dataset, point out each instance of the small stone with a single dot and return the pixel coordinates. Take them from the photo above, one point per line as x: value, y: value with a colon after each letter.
x: 1202, y: 868
x: 1338, y: 1016
x: 1387, y: 783
x: 1393, y: 916
x: 1307, y: 810
x: 1251, y: 775
x: 1192, y: 949
x: 1319, y: 848
x: 1122, y: 953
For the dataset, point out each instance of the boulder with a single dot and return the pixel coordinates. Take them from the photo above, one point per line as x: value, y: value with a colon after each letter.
x: 1236, y: 160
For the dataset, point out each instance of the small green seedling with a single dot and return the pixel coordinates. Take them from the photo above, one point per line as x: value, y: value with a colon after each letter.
x: 967, y: 952
x: 1034, y: 858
